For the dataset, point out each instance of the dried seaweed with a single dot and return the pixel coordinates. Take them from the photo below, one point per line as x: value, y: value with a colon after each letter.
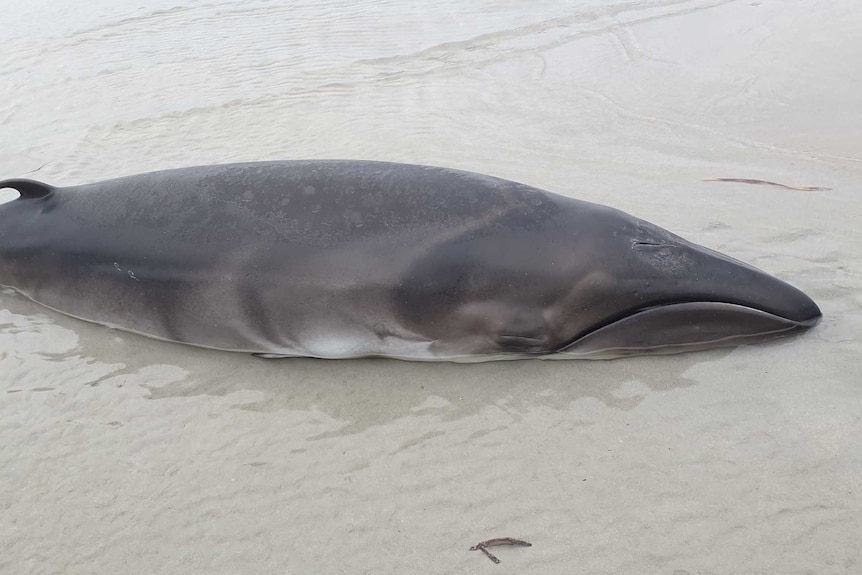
x: 497, y: 542
x: 768, y: 183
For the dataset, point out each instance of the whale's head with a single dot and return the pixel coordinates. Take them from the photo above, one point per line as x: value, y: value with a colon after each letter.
x: 591, y: 282
x: 641, y: 289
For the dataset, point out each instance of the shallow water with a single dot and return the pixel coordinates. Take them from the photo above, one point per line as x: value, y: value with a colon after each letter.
x: 128, y: 455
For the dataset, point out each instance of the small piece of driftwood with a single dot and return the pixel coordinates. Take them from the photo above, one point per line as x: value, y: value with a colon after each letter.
x: 496, y: 542
x: 768, y: 183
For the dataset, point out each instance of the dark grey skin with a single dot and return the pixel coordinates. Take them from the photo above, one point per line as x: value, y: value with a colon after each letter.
x: 352, y: 258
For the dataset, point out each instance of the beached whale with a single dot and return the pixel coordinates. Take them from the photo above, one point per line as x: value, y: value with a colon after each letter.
x: 340, y: 259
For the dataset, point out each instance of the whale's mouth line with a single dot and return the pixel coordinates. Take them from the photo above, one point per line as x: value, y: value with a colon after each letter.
x: 782, y: 324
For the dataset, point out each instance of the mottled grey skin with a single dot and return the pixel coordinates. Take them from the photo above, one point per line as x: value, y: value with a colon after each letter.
x: 354, y: 258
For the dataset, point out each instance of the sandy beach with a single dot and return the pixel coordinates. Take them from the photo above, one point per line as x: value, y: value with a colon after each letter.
x: 122, y: 454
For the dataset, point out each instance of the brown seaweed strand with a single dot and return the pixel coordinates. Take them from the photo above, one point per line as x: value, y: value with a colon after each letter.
x: 768, y: 183
x: 490, y: 555
x: 497, y: 542
x: 504, y: 541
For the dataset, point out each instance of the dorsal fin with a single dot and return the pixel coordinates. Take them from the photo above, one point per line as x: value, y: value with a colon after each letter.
x: 29, y: 189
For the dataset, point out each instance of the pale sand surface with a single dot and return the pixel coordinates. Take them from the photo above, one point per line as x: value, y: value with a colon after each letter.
x: 120, y: 454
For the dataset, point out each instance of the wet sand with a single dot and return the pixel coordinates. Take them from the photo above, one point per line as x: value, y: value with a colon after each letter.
x: 121, y: 454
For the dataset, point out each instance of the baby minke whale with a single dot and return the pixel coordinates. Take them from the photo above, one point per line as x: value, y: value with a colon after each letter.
x: 343, y: 259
